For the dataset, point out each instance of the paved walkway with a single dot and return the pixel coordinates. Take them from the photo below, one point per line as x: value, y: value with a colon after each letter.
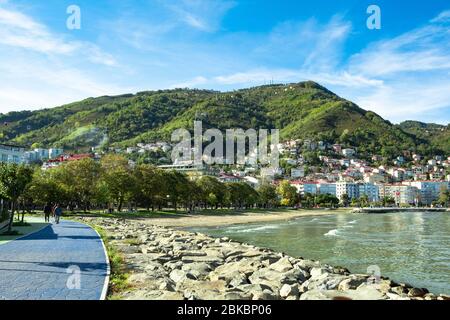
x: 43, y: 265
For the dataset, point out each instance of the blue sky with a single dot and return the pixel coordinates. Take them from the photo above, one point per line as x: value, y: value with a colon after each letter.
x: 401, y: 71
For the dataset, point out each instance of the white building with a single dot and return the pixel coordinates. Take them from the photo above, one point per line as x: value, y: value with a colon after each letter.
x: 305, y: 187
x: 55, y: 152
x: 349, y: 188
x: 42, y: 153
x: 11, y: 153
x: 429, y: 190
x: 327, y: 188
x: 402, y: 194
x: 370, y: 190
x: 348, y: 152
x: 356, y: 190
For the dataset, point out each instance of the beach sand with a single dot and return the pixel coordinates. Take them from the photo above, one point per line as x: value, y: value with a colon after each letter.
x: 222, y: 219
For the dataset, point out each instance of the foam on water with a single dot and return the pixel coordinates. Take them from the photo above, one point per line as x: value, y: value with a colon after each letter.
x: 261, y: 228
x: 333, y: 233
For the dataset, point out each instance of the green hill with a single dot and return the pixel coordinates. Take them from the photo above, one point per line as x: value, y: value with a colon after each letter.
x: 301, y: 110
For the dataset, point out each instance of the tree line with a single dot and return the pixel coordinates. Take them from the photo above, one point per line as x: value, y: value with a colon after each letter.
x: 112, y: 184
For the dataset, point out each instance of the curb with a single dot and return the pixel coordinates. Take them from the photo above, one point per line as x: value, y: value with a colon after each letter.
x: 108, y: 264
x: 108, y: 267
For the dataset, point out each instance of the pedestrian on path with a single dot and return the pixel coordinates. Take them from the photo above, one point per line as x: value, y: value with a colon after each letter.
x: 47, y: 212
x: 58, y: 213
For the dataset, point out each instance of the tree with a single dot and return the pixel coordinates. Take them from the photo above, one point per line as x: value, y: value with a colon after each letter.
x: 149, y: 185
x: 268, y: 196
x: 78, y: 180
x: 308, y: 200
x: 364, y: 200
x: 240, y: 195
x: 212, y: 192
x: 177, y: 188
x: 345, y: 200
x: 13, y: 183
x: 326, y: 200
x: 288, y: 194
x: 45, y: 188
x: 387, y: 201
x: 116, y: 176
x: 444, y: 196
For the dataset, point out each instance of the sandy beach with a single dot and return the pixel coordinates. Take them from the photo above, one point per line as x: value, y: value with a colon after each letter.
x: 222, y: 219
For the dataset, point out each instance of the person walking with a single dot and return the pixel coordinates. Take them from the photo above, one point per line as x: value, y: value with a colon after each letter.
x: 58, y: 213
x: 47, y: 212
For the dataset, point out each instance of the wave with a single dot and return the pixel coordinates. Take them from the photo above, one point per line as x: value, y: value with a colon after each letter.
x: 333, y: 233
x: 262, y: 228
x: 353, y: 222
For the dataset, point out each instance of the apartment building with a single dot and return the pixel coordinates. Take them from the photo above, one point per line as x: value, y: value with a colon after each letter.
x: 402, y: 194
x: 11, y: 153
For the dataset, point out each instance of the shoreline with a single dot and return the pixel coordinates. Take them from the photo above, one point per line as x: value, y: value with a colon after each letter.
x: 219, y: 219
x: 171, y: 264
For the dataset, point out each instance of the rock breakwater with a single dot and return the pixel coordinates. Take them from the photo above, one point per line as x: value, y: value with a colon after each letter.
x: 169, y: 264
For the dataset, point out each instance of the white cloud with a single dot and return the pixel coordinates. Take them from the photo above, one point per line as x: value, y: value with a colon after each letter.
x: 21, y: 31
x: 414, y: 68
x: 46, y: 83
x: 203, y: 15
x: 442, y: 17
x: 399, y: 78
x: 39, y: 68
x: 424, y: 49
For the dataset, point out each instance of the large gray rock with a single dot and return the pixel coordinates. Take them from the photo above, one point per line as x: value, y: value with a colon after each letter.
x: 207, y: 259
x: 417, y: 292
x: 316, y: 272
x: 203, y: 290
x: 365, y: 293
x: 289, y: 291
x: 351, y: 283
x: 307, y: 264
x: 178, y: 276
x: 152, y: 295
x: 268, y: 277
x: 237, y: 295
x: 197, y: 269
x: 230, y: 270
x: 264, y: 295
x: 294, y: 276
x: 325, y: 281
x: 238, y: 280
x: 282, y: 265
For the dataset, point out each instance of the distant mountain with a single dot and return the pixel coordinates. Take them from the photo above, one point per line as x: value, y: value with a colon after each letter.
x: 302, y: 110
x: 437, y: 135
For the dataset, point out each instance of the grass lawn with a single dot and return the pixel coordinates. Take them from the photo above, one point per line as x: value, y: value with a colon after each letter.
x: 35, y: 224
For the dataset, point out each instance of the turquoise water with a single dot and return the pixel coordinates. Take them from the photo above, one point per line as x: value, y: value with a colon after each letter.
x: 407, y: 247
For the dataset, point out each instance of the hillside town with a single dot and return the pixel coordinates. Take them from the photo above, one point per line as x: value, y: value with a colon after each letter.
x: 312, y: 167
